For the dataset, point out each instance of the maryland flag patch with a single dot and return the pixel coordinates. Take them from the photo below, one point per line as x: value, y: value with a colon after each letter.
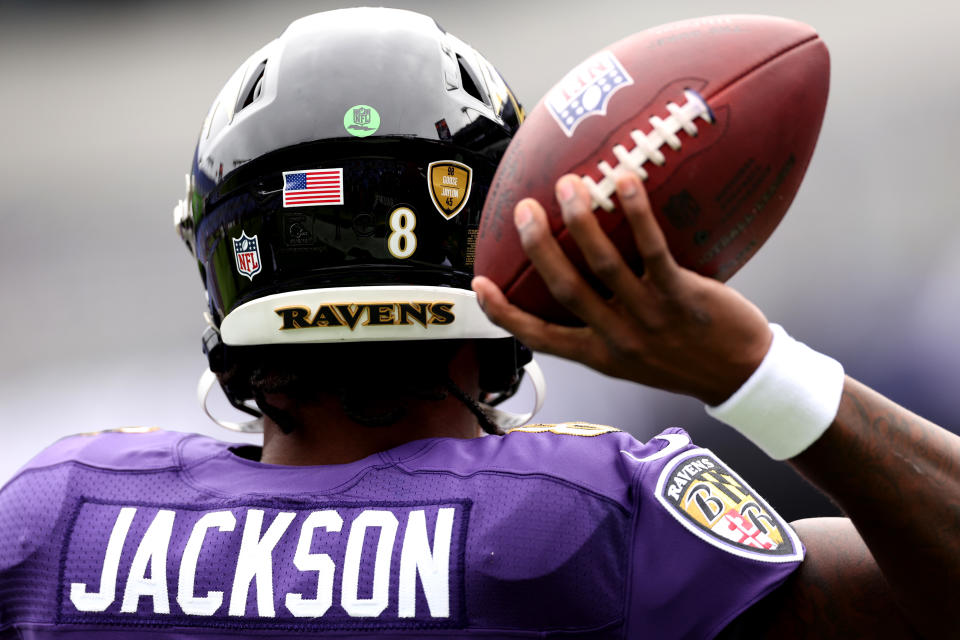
x: 716, y: 505
x: 449, y: 184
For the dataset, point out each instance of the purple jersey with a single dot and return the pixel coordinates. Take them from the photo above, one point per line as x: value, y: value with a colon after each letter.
x: 568, y: 530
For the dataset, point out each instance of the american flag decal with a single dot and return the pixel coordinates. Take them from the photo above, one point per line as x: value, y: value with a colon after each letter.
x: 312, y: 187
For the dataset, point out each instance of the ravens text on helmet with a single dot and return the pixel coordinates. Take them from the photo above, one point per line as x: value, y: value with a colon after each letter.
x: 374, y: 313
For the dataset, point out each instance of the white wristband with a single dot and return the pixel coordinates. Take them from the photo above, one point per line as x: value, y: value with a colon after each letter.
x: 789, y: 401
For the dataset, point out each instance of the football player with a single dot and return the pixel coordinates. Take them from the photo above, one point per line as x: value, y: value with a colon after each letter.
x: 332, y: 208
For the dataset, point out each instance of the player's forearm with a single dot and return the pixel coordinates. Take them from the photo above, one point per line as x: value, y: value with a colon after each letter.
x: 898, y: 478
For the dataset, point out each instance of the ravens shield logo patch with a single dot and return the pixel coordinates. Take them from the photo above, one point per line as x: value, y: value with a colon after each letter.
x: 716, y: 505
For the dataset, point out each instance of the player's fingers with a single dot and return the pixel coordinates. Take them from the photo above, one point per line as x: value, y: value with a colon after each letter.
x: 536, y: 333
x: 561, y: 277
x: 658, y: 263
x: 602, y: 256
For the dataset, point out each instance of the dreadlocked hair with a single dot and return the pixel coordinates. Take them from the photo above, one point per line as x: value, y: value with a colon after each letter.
x: 375, y: 382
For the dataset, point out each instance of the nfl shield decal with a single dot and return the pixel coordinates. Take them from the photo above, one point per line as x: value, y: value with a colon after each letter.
x: 248, y: 255
x: 449, y: 184
x: 586, y: 90
x: 716, y: 505
x: 361, y: 120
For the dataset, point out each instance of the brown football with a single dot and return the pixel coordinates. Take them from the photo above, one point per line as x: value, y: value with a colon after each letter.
x: 718, y: 115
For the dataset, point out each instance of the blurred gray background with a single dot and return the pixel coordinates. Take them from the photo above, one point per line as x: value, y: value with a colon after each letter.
x: 101, y: 104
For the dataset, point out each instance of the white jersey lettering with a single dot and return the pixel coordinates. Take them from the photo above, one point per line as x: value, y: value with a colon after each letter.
x: 331, y: 564
x: 350, y: 599
x: 433, y: 566
x: 191, y: 604
x: 256, y: 561
x: 322, y: 563
x: 100, y: 600
x: 152, y: 552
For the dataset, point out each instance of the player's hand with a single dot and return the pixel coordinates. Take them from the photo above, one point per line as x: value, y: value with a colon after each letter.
x: 670, y: 328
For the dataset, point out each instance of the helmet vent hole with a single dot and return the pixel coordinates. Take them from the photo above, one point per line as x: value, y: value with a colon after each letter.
x: 468, y: 81
x: 254, y: 87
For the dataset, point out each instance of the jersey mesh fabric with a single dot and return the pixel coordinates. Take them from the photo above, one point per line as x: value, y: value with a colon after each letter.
x: 578, y: 566
x: 37, y: 509
x: 545, y: 530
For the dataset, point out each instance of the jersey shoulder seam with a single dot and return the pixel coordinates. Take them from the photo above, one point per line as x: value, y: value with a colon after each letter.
x: 516, y: 474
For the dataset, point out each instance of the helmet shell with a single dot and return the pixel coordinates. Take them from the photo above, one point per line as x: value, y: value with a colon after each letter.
x: 401, y: 124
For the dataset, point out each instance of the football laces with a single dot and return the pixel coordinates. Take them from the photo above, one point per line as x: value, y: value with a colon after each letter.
x: 647, y: 146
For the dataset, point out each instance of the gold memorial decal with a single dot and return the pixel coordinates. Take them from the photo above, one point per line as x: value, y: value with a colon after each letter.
x: 449, y: 184
x: 714, y: 503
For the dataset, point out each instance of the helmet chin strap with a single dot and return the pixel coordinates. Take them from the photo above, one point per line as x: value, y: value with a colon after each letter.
x: 207, y: 380
x: 507, y: 420
x: 503, y: 419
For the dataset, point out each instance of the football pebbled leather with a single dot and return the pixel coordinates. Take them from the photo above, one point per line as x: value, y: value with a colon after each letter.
x: 749, y: 95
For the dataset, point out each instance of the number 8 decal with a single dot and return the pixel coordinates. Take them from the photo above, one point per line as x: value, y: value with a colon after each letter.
x: 402, y: 242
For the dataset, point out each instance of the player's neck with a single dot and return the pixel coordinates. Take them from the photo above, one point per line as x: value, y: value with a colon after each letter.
x: 326, y: 435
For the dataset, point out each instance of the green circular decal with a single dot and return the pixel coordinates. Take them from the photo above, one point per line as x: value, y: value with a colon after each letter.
x: 361, y: 120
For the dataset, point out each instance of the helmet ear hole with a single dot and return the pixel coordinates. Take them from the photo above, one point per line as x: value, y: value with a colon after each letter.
x: 253, y: 88
x: 469, y: 82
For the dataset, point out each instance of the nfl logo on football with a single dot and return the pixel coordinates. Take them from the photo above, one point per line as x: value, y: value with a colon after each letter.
x: 586, y: 90
x: 248, y: 255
